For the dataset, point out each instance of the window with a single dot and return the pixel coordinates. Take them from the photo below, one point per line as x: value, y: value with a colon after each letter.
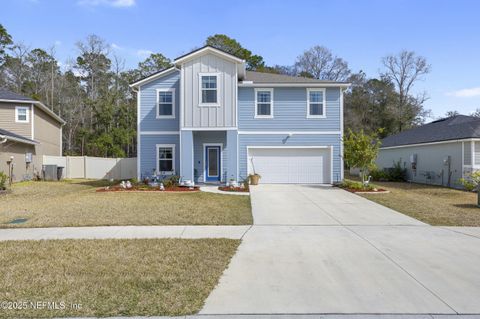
x: 316, y: 103
x: 166, y: 159
x: 209, y: 89
x: 165, y: 103
x: 264, y: 103
x: 21, y: 114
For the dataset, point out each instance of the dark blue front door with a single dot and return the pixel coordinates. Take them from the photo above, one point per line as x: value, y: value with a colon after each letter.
x: 212, y: 164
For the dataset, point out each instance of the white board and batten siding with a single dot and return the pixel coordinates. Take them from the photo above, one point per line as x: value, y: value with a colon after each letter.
x: 291, y: 165
x: 221, y: 116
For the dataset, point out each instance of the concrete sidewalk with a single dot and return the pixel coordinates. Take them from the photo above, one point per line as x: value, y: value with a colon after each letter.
x: 104, y: 232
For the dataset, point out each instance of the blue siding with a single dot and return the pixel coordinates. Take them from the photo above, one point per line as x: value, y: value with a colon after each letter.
x: 201, y: 137
x: 186, y: 168
x: 148, y: 104
x: 148, y: 156
x: 294, y: 140
x: 289, y: 111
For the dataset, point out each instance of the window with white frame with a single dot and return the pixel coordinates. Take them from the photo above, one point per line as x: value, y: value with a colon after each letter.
x: 316, y: 103
x: 166, y: 159
x: 208, y: 89
x: 21, y: 114
x: 166, y: 103
x: 264, y: 103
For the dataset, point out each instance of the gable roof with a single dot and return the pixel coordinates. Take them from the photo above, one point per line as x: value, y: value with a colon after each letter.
x: 451, y: 128
x: 9, y: 96
x: 207, y: 49
x: 4, y: 134
x: 273, y: 78
x: 152, y: 77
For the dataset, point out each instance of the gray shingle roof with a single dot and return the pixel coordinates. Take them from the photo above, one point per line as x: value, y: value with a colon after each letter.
x: 260, y: 77
x: 9, y: 95
x: 17, y: 137
x: 452, y: 128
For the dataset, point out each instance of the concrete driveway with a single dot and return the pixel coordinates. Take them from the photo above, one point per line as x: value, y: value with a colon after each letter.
x: 316, y: 249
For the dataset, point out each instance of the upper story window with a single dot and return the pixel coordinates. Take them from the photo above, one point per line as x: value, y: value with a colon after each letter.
x: 209, y: 89
x: 263, y: 103
x: 21, y: 114
x: 165, y: 103
x: 316, y: 102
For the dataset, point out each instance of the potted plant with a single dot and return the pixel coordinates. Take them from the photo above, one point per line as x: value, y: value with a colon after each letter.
x: 253, y: 178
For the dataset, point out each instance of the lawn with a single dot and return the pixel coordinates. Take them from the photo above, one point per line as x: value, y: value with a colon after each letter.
x: 143, y: 277
x: 76, y: 203
x: 434, y: 205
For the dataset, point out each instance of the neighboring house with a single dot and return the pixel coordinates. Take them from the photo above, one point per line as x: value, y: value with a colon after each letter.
x: 207, y: 119
x: 28, y: 130
x: 440, y: 152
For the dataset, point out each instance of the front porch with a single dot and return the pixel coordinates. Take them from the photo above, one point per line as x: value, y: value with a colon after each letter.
x: 208, y: 156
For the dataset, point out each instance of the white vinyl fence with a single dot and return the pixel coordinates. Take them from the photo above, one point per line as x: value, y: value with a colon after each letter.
x: 94, y: 167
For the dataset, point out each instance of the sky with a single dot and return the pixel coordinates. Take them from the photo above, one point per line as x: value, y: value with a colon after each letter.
x: 446, y: 33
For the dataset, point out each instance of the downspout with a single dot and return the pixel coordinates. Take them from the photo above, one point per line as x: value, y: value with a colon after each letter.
x: 3, y: 139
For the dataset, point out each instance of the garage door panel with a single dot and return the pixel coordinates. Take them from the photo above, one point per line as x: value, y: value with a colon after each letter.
x: 291, y: 165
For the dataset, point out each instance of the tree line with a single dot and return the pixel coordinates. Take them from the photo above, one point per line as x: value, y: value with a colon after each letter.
x: 92, y: 95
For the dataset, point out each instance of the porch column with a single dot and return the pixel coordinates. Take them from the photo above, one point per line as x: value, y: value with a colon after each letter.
x: 186, y: 155
x: 232, y: 147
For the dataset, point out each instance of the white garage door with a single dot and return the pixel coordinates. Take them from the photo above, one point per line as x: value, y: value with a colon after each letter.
x: 291, y: 165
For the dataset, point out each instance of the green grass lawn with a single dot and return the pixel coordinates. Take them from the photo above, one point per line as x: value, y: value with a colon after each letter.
x: 75, y: 203
x: 439, y: 206
x: 127, y: 277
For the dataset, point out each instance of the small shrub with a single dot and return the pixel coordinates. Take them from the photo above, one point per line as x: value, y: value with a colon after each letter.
x: 397, y: 173
x: 171, y: 181
x: 472, y: 182
x: 355, y: 185
x: 379, y: 175
x: 467, y: 184
x: 3, y: 181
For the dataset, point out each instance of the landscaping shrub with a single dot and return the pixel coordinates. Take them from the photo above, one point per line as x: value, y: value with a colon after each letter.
x: 348, y: 184
x: 397, y: 173
x: 171, y: 181
x: 3, y: 181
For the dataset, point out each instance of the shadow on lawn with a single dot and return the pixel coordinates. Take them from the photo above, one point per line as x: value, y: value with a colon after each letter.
x: 469, y: 206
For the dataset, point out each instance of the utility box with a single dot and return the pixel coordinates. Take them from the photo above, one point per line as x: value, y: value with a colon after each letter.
x: 50, y: 172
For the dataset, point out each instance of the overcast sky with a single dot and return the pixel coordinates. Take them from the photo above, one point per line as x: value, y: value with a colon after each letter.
x: 447, y: 33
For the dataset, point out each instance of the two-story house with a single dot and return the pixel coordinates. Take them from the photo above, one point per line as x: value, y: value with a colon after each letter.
x: 28, y: 130
x: 208, y: 119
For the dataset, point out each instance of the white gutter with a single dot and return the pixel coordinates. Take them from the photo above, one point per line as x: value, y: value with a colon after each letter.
x: 303, y: 84
x: 6, y: 138
x: 431, y: 143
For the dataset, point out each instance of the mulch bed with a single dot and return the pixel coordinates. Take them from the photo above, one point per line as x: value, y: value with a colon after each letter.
x: 233, y: 189
x: 366, y: 191
x: 148, y: 189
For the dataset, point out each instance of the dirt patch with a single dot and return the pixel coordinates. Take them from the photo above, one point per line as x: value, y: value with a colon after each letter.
x: 233, y: 189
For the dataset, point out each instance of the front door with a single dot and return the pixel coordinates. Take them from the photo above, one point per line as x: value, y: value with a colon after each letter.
x: 212, y: 164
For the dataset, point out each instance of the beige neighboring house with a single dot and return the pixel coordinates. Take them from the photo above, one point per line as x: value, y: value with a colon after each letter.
x: 28, y: 130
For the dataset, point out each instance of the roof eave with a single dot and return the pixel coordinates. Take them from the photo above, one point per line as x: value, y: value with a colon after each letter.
x: 21, y: 140
x: 294, y: 84
x: 201, y: 51
x: 137, y: 84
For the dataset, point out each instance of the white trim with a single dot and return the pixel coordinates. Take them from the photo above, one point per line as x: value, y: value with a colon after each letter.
x: 159, y: 133
x: 157, y: 146
x: 342, y: 165
x: 152, y: 77
x: 295, y: 84
x: 329, y: 147
x: 472, y: 145
x: 138, y: 137
x: 220, y: 159
x: 25, y: 141
x: 431, y: 143
x: 294, y: 146
x: 289, y: 132
x: 27, y: 114
x: 200, y: 89
x: 463, y: 159
x: 32, y: 107
x: 208, y: 128
x: 324, y: 103
x: 157, y: 116
x: 61, y: 140
x: 192, y: 55
x: 256, y: 103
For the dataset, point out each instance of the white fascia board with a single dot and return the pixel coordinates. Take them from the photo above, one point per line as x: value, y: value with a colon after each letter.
x: 303, y: 85
x: 206, y: 50
x: 153, y: 77
x: 431, y: 143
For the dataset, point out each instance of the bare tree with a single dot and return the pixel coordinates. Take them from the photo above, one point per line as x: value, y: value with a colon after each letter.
x: 404, y: 70
x: 318, y: 62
